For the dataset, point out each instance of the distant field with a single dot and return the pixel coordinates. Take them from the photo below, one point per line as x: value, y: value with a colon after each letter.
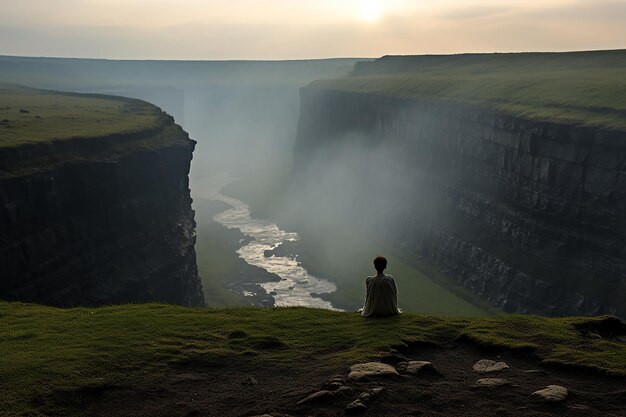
x: 32, y: 116
x: 584, y: 88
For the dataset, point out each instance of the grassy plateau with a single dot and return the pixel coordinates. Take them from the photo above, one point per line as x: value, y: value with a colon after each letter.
x: 34, y: 116
x: 583, y: 88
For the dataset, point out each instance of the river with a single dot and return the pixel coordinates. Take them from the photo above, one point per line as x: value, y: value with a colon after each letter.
x: 297, y: 287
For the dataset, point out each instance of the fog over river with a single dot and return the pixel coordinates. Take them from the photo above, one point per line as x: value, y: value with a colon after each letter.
x: 297, y: 287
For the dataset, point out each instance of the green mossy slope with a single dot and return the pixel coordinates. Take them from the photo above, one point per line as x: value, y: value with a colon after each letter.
x: 45, y: 349
x: 42, y: 128
x: 36, y: 116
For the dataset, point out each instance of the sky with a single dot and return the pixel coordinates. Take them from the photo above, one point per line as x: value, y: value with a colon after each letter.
x: 296, y: 29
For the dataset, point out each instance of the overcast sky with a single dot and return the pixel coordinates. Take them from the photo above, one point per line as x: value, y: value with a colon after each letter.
x: 289, y: 29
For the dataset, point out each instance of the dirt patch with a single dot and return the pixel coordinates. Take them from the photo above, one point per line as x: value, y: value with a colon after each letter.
x: 246, y: 387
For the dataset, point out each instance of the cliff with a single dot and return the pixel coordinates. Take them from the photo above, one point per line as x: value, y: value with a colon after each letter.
x: 95, y: 206
x: 527, y: 212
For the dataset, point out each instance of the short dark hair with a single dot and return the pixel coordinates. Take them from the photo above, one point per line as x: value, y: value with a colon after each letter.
x: 380, y: 263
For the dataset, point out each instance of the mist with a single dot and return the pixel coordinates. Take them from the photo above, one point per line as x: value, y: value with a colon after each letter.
x: 337, y: 205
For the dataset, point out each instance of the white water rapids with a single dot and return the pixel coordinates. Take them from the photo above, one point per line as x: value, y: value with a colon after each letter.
x: 297, y: 286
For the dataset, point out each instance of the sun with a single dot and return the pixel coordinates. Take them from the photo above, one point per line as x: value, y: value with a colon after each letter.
x: 370, y: 11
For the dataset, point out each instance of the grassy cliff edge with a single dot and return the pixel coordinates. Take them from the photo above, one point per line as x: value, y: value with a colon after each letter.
x: 45, y: 351
x: 579, y: 88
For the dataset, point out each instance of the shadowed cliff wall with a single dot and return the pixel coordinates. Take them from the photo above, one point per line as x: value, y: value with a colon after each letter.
x: 100, y: 221
x: 529, y: 215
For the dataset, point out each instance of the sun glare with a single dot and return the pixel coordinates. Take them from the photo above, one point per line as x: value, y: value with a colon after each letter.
x: 370, y: 11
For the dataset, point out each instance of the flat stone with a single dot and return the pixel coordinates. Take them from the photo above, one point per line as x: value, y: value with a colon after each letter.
x: 356, y: 407
x: 414, y: 367
x: 492, y: 383
x: 552, y: 393
x: 322, y: 395
x: 485, y: 366
x: 371, y: 369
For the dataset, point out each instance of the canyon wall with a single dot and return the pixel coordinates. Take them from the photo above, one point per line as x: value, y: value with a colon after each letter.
x: 529, y: 215
x: 93, y: 221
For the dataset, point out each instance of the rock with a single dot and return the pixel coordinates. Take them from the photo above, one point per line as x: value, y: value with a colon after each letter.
x: 491, y: 383
x: 337, y: 378
x: 249, y: 381
x: 371, y: 369
x: 333, y: 386
x: 377, y: 391
x: 343, y: 389
x: 393, y: 358
x: 365, y: 397
x: 485, y: 366
x: 414, y: 367
x: 355, y: 407
x: 534, y: 371
x: 401, y: 366
x: 318, y: 396
x: 552, y: 393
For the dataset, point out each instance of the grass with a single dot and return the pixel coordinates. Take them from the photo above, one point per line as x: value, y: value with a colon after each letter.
x: 95, y: 126
x: 44, y: 350
x: 587, y: 88
x: 35, y: 116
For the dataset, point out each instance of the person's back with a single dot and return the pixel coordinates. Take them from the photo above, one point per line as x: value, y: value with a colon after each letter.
x: 381, y: 295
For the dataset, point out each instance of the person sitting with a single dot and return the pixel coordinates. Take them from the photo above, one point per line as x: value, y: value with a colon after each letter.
x: 381, y: 295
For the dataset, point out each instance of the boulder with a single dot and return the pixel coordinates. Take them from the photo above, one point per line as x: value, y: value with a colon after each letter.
x: 492, y: 383
x: 318, y: 396
x: 371, y: 369
x: 415, y: 367
x: 355, y: 407
x: 552, y: 393
x: 486, y: 366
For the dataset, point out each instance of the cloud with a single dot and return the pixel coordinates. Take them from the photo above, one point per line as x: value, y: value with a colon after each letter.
x: 473, y: 12
x: 555, y: 26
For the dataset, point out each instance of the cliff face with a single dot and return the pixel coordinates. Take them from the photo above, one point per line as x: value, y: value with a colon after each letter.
x: 529, y: 215
x: 97, y: 221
